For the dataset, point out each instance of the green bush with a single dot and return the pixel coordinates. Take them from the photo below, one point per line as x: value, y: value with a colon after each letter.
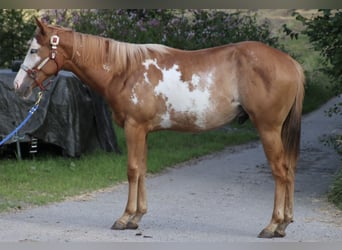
x: 184, y: 29
x: 325, y: 33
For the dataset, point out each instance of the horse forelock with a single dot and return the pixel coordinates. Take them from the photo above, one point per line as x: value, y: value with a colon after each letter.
x: 99, y: 52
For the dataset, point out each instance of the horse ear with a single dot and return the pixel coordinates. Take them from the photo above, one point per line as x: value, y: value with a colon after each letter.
x: 41, y: 25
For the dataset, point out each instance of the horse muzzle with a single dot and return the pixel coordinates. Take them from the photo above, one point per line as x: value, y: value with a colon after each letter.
x: 24, y: 90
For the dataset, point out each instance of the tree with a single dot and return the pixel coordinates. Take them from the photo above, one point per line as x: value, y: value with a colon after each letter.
x: 325, y: 33
x: 14, y: 35
x: 180, y: 28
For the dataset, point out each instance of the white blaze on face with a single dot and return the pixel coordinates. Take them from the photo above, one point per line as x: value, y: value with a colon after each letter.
x: 190, y: 98
x: 31, y: 60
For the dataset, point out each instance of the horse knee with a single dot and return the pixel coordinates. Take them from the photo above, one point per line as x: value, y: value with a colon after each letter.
x: 132, y: 174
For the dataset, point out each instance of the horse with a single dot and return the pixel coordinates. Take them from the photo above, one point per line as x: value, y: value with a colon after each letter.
x: 153, y: 87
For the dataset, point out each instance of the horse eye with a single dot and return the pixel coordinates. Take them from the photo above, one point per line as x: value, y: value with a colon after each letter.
x: 33, y: 51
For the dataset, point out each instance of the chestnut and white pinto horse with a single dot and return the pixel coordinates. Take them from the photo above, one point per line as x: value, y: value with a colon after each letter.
x: 153, y: 87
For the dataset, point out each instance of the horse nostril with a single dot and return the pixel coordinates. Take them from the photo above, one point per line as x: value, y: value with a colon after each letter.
x: 16, y: 86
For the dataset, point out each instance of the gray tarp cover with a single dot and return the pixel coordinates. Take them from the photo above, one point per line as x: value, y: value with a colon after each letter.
x: 70, y: 115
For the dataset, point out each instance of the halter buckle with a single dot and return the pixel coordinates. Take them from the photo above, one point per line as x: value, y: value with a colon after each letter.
x: 54, y: 41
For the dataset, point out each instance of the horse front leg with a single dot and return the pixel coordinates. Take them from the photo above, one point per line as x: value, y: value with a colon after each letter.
x: 141, y: 199
x: 141, y: 204
x: 136, y: 170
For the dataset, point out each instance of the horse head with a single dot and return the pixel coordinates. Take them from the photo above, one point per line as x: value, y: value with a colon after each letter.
x: 44, y: 58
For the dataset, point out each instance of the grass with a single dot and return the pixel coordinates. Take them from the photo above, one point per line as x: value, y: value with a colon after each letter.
x: 48, y: 179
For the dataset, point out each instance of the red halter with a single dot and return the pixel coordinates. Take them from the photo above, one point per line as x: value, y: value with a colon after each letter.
x: 33, y: 73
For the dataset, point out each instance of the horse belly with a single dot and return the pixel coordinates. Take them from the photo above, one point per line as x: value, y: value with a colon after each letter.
x: 189, y: 99
x: 196, y: 111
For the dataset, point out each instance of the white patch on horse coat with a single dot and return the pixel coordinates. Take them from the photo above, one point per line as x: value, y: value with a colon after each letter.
x: 195, y: 80
x: 30, y: 61
x: 180, y: 97
x: 149, y: 62
x: 146, y: 78
x: 106, y: 67
x: 134, y: 97
x: 253, y: 56
x: 166, y: 120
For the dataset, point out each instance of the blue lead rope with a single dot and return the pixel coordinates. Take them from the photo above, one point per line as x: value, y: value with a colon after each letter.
x: 29, y: 115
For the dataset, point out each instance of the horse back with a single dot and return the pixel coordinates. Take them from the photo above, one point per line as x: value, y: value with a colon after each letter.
x: 204, y: 89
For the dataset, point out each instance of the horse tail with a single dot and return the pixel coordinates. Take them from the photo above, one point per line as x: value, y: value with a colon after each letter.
x: 291, y: 130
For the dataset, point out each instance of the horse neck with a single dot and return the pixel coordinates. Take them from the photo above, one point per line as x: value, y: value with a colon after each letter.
x: 97, y: 76
x: 100, y: 61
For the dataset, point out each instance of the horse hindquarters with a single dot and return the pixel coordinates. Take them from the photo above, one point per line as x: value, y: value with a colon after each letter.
x: 281, y: 145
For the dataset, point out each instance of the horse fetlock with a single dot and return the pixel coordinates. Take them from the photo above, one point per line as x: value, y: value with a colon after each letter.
x: 279, y: 233
x: 132, y: 225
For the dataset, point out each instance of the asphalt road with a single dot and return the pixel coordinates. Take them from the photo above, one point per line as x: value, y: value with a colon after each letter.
x: 226, y: 196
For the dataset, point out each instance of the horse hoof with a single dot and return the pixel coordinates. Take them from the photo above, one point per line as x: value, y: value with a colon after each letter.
x: 132, y: 225
x: 266, y: 234
x: 118, y: 226
x: 279, y: 234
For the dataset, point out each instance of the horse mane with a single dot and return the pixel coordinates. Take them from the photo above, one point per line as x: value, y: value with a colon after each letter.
x: 59, y: 28
x: 103, y: 52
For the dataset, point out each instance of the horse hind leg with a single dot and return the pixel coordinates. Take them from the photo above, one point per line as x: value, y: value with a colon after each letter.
x: 289, y: 200
x: 274, y: 150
